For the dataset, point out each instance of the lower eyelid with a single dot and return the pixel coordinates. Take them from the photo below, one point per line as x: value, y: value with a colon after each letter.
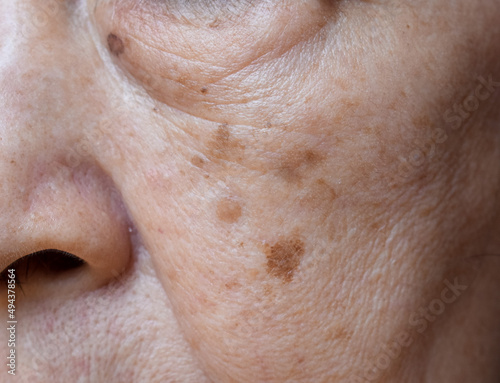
x: 184, y: 58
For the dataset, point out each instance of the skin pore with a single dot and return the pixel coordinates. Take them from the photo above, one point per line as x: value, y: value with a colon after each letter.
x: 262, y: 191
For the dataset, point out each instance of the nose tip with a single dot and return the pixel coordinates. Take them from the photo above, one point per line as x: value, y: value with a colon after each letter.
x: 75, y: 210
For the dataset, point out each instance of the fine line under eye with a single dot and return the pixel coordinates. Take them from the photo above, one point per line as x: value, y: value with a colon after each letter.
x: 200, y: 9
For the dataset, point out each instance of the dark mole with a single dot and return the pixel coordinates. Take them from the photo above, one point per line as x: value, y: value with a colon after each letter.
x: 228, y: 210
x: 284, y: 257
x: 115, y: 44
x: 204, y: 90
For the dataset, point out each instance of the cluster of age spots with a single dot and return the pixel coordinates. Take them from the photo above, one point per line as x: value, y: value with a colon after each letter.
x: 284, y: 257
x: 294, y: 167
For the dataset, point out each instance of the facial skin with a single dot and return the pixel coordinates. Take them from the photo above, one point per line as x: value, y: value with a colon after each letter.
x: 262, y: 191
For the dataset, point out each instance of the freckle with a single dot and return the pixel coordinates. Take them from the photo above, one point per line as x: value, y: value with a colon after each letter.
x: 115, y: 44
x: 197, y: 161
x: 338, y: 334
x: 284, y: 257
x: 228, y: 210
x: 310, y: 157
x: 232, y: 285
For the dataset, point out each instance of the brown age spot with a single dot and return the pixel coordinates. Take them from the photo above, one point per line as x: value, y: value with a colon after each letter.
x: 228, y: 210
x: 221, y: 140
x: 295, y: 163
x: 222, y: 143
x: 197, y: 161
x: 115, y: 44
x: 284, y: 257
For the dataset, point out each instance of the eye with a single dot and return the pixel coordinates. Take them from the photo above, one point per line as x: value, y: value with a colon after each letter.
x: 47, y: 263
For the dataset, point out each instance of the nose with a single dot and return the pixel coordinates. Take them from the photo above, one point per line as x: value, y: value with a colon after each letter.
x: 48, y: 101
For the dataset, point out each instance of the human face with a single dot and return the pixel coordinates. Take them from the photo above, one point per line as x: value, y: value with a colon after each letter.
x: 261, y: 191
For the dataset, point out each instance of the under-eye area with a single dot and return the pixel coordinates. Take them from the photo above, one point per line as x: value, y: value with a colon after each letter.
x: 49, y: 262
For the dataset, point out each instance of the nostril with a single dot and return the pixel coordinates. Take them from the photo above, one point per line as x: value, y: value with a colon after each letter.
x: 47, y: 263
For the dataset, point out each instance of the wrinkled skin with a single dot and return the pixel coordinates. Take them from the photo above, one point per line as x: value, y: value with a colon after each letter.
x: 265, y: 191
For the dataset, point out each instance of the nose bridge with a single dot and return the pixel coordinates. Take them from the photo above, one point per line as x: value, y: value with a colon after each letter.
x: 30, y: 24
x: 41, y: 71
x: 48, y: 102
